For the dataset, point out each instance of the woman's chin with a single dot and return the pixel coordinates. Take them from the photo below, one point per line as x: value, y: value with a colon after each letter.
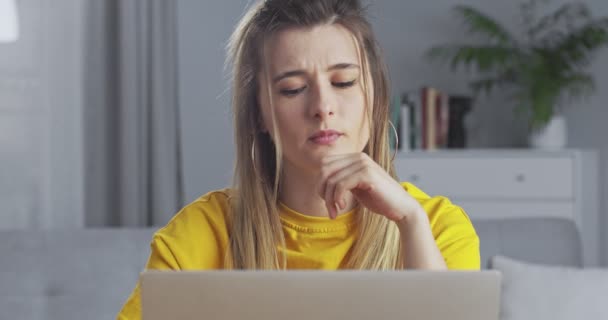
x: 321, y: 153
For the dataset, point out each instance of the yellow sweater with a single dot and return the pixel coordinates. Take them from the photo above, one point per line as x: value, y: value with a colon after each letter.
x: 196, y: 238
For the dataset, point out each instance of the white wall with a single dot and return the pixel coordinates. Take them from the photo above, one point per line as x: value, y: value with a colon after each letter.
x: 404, y: 29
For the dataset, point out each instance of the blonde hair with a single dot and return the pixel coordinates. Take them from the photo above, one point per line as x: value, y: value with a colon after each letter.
x: 256, y: 233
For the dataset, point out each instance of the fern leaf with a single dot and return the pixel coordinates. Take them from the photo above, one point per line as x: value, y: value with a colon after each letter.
x: 486, y: 85
x: 482, y: 24
x: 565, y: 14
x: 484, y: 58
x: 577, y: 47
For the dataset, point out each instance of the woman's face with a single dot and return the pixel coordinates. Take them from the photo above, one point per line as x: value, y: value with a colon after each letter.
x: 315, y: 83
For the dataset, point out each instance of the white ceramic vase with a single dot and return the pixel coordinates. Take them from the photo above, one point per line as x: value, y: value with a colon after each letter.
x: 554, y: 135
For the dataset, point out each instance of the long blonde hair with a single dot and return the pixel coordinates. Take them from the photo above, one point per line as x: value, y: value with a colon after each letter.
x: 256, y: 234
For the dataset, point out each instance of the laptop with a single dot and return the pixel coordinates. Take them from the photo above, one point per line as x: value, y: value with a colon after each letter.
x: 320, y: 295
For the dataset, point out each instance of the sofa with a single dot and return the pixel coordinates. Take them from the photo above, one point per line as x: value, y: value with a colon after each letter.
x: 88, y: 273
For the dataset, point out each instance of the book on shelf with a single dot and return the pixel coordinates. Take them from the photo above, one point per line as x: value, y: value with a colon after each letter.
x: 425, y: 119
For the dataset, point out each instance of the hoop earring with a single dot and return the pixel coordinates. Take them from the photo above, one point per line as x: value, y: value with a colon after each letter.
x: 255, y: 168
x: 396, y: 139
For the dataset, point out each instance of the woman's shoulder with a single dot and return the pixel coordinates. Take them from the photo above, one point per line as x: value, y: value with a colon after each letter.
x: 208, y: 211
x: 452, y: 229
x: 196, y: 237
x: 440, y: 209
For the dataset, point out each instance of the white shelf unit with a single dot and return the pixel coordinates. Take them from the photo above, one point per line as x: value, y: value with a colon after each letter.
x: 504, y: 183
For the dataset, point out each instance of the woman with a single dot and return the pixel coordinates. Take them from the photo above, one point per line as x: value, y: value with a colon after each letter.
x: 314, y: 186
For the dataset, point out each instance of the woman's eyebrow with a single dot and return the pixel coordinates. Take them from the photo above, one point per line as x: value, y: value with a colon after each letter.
x: 340, y: 66
x: 293, y: 73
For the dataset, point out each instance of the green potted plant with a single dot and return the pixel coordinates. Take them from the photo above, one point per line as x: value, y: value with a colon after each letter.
x: 543, y: 71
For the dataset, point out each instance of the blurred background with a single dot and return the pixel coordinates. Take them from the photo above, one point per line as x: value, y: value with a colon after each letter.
x: 117, y: 113
x: 114, y: 114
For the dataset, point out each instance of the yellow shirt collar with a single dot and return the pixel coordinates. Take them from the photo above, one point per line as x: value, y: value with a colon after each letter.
x: 307, y: 223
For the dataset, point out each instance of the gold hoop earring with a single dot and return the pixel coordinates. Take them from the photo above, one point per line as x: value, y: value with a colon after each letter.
x: 255, y: 168
x: 396, y: 139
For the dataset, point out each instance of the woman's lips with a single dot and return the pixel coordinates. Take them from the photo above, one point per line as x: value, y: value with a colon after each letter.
x: 325, y: 137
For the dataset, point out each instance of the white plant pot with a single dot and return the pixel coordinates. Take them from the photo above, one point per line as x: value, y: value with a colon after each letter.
x: 552, y: 136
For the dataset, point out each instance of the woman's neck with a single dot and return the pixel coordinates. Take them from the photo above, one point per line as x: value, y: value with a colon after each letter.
x: 300, y: 192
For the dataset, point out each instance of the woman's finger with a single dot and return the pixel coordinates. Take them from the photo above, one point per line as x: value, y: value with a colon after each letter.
x: 331, y: 167
x: 333, y: 181
x: 339, y: 176
x: 359, y: 178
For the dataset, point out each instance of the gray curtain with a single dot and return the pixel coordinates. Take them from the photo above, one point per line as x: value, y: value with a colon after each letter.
x: 132, y: 150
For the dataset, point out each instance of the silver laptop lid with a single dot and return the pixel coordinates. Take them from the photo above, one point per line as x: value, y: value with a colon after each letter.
x: 320, y: 295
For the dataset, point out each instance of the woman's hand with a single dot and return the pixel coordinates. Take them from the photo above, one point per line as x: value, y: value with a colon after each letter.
x: 373, y: 187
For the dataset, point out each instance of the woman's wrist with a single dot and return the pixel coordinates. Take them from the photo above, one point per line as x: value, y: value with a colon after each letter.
x: 418, y: 244
x: 416, y: 219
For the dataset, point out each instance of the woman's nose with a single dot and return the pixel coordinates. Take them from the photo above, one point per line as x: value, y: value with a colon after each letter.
x: 322, y: 102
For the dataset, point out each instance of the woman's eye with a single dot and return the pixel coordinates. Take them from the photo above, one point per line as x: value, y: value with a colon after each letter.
x: 344, y: 84
x: 293, y: 92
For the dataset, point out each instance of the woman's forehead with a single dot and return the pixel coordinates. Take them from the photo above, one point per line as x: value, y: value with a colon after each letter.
x: 304, y: 48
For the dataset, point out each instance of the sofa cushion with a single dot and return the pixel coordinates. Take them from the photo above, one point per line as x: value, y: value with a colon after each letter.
x: 69, y: 274
x: 534, y: 291
x: 531, y: 240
